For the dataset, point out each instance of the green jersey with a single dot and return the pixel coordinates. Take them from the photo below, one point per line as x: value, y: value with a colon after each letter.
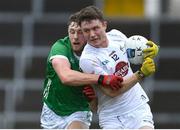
x: 63, y: 99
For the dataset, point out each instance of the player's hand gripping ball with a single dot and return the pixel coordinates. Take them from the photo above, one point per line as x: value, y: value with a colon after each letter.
x: 134, y: 48
x: 148, y: 67
x: 152, y: 51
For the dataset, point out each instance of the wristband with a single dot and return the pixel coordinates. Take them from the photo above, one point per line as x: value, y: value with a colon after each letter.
x: 140, y: 75
x: 100, y: 79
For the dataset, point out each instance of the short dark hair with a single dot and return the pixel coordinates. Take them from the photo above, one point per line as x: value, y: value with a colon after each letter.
x: 73, y: 18
x: 90, y: 13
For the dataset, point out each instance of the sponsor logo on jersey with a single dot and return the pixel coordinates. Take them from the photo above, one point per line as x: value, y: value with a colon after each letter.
x: 105, y: 62
x: 121, y: 69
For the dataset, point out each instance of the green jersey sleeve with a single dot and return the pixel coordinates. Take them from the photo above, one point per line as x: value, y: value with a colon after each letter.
x: 61, y: 48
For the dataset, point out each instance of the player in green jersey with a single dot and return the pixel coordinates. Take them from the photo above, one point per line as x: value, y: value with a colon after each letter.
x: 64, y: 104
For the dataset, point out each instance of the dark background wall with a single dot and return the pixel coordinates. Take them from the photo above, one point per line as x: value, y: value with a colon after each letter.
x: 29, y: 27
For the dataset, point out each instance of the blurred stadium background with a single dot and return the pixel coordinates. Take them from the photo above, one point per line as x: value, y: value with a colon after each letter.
x: 29, y: 27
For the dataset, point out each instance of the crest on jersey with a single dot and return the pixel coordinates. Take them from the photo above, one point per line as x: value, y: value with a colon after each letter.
x: 121, y: 69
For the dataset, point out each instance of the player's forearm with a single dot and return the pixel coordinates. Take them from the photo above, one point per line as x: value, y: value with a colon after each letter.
x: 127, y: 84
x: 71, y: 77
x: 76, y: 78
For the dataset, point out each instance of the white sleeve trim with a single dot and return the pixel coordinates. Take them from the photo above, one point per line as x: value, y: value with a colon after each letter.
x: 58, y: 56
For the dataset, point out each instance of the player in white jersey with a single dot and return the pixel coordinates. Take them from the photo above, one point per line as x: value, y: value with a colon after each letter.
x: 105, y: 53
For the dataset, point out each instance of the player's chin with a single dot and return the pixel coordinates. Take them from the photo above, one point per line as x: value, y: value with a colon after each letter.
x: 76, y: 45
x: 95, y: 43
x: 77, y: 48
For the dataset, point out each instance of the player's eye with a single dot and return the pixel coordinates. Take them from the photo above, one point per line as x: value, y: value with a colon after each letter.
x: 85, y: 30
x: 96, y: 28
x: 71, y: 31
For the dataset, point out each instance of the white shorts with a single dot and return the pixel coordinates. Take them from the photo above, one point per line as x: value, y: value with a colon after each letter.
x: 141, y: 116
x: 50, y: 120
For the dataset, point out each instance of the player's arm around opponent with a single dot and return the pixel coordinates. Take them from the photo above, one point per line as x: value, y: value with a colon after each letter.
x: 75, y: 78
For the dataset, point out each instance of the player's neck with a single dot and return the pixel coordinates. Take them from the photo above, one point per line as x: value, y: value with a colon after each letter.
x: 105, y: 43
x: 77, y: 55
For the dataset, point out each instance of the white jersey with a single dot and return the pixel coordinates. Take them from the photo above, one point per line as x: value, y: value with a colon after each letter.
x: 112, y: 60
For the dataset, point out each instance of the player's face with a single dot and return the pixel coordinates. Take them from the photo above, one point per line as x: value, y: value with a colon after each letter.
x: 95, y: 32
x: 76, y: 37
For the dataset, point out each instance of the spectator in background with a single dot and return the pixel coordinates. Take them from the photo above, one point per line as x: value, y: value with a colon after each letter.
x: 105, y: 53
x: 64, y: 104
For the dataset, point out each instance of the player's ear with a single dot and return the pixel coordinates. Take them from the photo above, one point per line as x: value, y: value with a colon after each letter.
x: 105, y: 24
